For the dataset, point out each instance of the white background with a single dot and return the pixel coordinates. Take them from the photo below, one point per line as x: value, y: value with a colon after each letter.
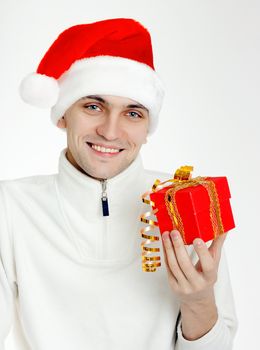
x: 207, y: 53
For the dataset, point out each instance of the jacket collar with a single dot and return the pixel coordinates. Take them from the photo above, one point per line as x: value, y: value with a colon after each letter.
x: 83, y: 193
x: 103, y: 239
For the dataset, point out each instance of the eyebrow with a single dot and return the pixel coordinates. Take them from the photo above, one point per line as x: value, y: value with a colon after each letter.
x: 100, y: 99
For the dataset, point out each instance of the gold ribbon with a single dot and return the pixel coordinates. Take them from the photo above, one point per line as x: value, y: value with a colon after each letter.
x: 182, y: 179
x: 149, y: 262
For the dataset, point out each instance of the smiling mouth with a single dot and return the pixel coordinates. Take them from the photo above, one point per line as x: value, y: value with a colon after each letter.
x: 103, y: 149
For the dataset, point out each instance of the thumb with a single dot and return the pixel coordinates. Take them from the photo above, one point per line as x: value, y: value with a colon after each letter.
x: 216, y: 246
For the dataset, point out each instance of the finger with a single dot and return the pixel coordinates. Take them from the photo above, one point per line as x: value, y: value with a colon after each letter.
x: 165, y: 253
x: 183, y: 257
x: 172, y: 280
x: 170, y: 274
x: 216, y: 246
x: 171, y: 259
x: 206, y: 261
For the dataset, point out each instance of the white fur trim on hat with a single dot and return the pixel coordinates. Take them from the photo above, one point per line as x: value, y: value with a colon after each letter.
x: 39, y: 90
x: 108, y: 75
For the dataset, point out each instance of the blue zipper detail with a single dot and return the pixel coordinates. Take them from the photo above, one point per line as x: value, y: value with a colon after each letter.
x: 104, y: 199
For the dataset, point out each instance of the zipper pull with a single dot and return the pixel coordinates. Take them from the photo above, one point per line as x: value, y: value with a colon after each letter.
x: 104, y: 199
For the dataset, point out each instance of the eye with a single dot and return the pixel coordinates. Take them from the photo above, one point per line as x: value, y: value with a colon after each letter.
x: 135, y: 115
x: 92, y: 107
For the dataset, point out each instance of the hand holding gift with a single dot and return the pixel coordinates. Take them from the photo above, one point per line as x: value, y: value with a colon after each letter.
x: 193, y: 284
x: 189, y: 211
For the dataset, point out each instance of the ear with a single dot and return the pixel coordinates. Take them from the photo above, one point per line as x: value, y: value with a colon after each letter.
x: 61, y: 123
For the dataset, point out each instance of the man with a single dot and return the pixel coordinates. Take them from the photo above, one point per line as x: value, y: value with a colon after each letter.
x: 70, y: 242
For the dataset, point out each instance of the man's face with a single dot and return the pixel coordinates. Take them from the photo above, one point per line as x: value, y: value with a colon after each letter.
x: 104, y: 134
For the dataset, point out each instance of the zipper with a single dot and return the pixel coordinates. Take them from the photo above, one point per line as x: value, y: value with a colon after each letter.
x: 104, y: 199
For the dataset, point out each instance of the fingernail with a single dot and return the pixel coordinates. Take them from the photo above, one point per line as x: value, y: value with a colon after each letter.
x: 198, y: 242
x: 165, y: 236
x: 175, y: 235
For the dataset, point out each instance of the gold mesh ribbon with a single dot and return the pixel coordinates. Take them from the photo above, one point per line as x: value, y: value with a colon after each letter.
x: 149, y: 261
x: 182, y: 179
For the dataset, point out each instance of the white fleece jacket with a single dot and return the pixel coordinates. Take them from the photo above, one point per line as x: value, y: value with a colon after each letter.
x: 72, y: 278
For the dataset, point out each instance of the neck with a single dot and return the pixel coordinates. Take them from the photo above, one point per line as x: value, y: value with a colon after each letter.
x: 75, y: 164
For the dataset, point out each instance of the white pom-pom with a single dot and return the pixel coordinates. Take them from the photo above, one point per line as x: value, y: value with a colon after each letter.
x: 39, y: 90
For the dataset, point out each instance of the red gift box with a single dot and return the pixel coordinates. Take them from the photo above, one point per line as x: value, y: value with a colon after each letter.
x: 193, y: 204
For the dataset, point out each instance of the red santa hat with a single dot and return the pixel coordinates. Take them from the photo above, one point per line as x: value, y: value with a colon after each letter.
x: 112, y: 57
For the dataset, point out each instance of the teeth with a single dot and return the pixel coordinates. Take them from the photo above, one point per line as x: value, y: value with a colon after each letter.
x: 104, y: 150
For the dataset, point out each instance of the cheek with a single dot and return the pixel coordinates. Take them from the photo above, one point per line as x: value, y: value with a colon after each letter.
x: 80, y: 125
x: 138, y: 135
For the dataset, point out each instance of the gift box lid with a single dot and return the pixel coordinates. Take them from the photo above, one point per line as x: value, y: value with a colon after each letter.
x: 194, y: 198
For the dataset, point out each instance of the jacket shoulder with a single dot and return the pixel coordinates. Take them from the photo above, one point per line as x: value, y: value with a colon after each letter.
x: 26, y: 183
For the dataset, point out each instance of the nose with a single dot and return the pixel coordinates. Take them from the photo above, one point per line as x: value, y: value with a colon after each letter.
x: 110, y: 127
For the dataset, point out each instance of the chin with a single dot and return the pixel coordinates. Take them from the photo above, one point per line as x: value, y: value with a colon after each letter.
x: 99, y: 175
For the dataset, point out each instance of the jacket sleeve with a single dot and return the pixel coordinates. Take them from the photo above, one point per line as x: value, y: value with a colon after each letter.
x: 7, y: 284
x: 222, y: 334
